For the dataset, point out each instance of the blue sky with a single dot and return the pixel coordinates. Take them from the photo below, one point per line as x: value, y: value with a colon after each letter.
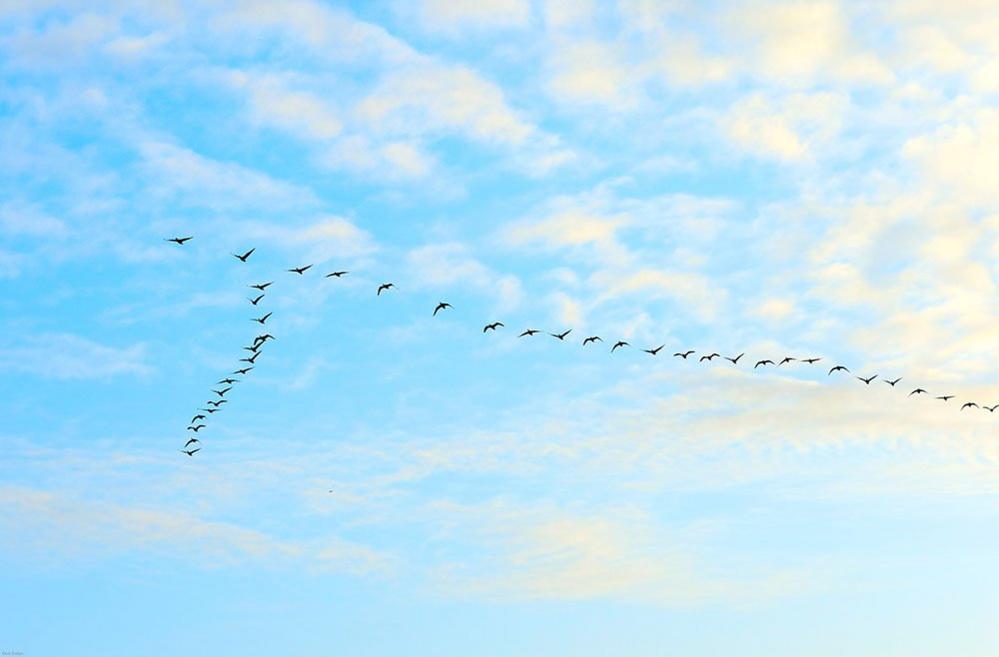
x: 812, y: 178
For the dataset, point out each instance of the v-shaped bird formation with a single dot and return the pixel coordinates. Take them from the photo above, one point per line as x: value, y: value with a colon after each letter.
x: 205, y: 414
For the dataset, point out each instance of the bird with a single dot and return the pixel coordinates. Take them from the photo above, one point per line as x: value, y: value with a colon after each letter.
x: 337, y: 274
x: 619, y: 343
x: 218, y: 403
x: 441, y: 306
x: 300, y: 270
x: 251, y: 360
x: 262, y: 320
x: 592, y: 338
x: 867, y: 380
x: 766, y: 361
x: 968, y: 405
x: 209, y: 410
x: 945, y: 397
x: 684, y: 354
x: 991, y: 409
x: 735, y: 361
x: 242, y: 258
x: 190, y: 452
x: 262, y: 286
x: 786, y: 359
x: 838, y: 368
x: 892, y: 383
x: 263, y: 337
x: 529, y: 333
x: 227, y: 381
x: 253, y: 348
x: 196, y: 427
x: 243, y: 371
x: 561, y: 336
x: 180, y: 240
x: 257, y: 300
x: 917, y: 391
x: 708, y: 357
x: 191, y: 440
x: 196, y: 418
x: 654, y: 352
x: 810, y: 361
x: 492, y: 327
x: 383, y: 287
x: 221, y: 393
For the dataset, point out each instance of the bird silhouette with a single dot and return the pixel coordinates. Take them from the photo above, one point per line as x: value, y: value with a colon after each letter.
x: 786, y: 359
x: 254, y: 348
x: 252, y: 360
x: 709, y: 357
x: 917, y: 391
x: 945, y: 397
x: 221, y: 393
x: 191, y: 452
x: 209, y: 410
x: 243, y: 257
x: 227, y: 381
x: 300, y: 270
x: 766, y: 361
x: 968, y: 405
x: 591, y: 339
x: 619, y: 343
x: 654, y: 352
x: 218, y: 403
x: 191, y: 440
x: 492, y: 327
x: 838, y: 368
x: 196, y: 418
x: 441, y: 306
x: 179, y: 240
x: 991, y: 409
x: 196, y: 427
x: 257, y: 300
x: 262, y: 320
x: 735, y: 361
x: 684, y: 354
x: 263, y: 337
x: 261, y: 286
x: 337, y: 274
x: 867, y: 380
x: 243, y: 372
x: 529, y: 333
x: 561, y: 336
x: 892, y: 383
x: 383, y: 287
x: 811, y: 361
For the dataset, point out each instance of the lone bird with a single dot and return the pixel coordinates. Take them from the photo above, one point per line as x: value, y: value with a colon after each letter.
x: 867, y: 380
x: 917, y: 391
x: 561, y: 336
x: 191, y: 452
x: 892, y: 383
x: 242, y: 258
x: 441, y: 306
x: 591, y: 339
x: 180, y: 240
x: 529, y: 333
x: 735, y: 361
x: 262, y: 286
x: 492, y: 327
x: 684, y: 354
x: 786, y: 359
x: 945, y: 397
x: 300, y: 270
x: 191, y: 440
x: 654, y: 352
x: 838, y: 368
x: 257, y: 300
x: 619, y: 343
x: 261, y: 320
x: 383, y: 287
x: 763, y: 362
x: 708, y: 357
x: 968, y: 405
x: 337, y: 274
x: 811, y: 361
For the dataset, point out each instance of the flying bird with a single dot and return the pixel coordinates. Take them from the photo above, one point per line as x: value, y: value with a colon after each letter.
x: 337, y: 274
x: 255, y: 347
x: 261, y: 286
x: 492, y: 327
x: 735, y: 361
x: 592, y: 338
x: 196, y: 418
x: 708, y: 357
x: 561, y: 336
x: 300, y: 270
x: 383, y: 287
x: 684, y: 354
x: 917, y: 391
x: 441, y: 306
x: 263, y: 337
x: 968, y: 405
x: 190, y: 452
x: 654, y: 352
x: 838, y: 368
x: 208, y: 410
x: 257, y: 300
x: 867, y: 380
x: 242, y: 258
x: 196, y: 427
x: 991, y: 409
x: 786, y: 359
x: 892, y: 383
x: 191, y: 440
x: 180, y: 240
x: 763, y: 362
x: 811, y: 361
x: 227, y: 381
x: 945, y: 397
x: 243, y: 371
x: 251, y: 360
x: 218, y: 403
x: 619, y: 343
x: 262, y: 320
x: 529, y: 332
x: 221, y: 393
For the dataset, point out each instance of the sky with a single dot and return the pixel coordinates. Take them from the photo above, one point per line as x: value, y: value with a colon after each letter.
x: 815, y: 178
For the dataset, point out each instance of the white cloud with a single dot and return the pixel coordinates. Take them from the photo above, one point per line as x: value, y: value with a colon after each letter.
x: 452, y: 16
x: 788, y: 129
x: 67, y: 356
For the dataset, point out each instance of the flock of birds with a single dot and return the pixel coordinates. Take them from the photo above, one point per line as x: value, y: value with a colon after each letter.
x: 248, y: 363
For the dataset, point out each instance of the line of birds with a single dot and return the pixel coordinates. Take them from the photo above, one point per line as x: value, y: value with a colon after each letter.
x: 199, y: 420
